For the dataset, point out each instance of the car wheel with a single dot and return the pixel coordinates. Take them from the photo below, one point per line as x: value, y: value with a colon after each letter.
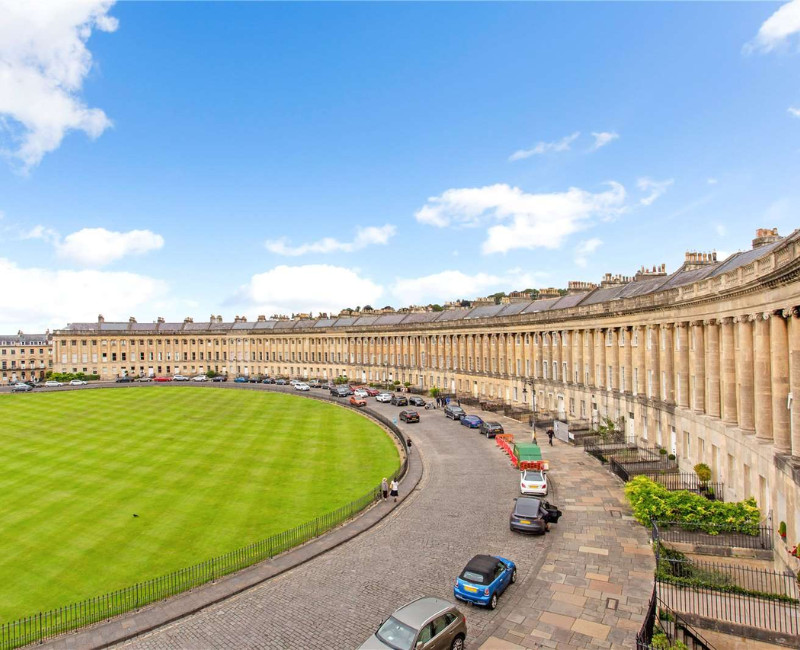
x: 458, y: 643
x: 493, y: 602
x: 513, y: 576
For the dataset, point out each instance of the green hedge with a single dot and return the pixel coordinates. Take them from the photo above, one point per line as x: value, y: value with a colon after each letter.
x: 652, y: 501
x: 69, y: 376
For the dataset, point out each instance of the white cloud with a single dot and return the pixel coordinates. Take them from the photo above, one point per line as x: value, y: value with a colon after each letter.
x: 602, y: 138
x: 364, y: 237
x: 777, y: 29
x: 43, y: 63
x: 98, y: 246
x: 449, y: 285
x: 584, y: 249
x: 721, y: 229
x: 653, y: 188
x: 546, y: 147
x: 527, y: 220
x: 711, y: 181
x: 794, y: 112
x: 34, y: 298
x: 311, y: 287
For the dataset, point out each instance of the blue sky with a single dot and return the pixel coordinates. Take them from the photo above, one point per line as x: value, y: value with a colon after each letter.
x: 260, y: 158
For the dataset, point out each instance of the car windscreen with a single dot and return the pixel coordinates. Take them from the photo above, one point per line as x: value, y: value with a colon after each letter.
x: 527, y: 507
x: 532, y: 475
x: 396, y: 634
x: 456, y: 409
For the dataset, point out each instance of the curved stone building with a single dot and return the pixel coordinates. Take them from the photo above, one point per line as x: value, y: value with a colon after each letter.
x: 704, y: 361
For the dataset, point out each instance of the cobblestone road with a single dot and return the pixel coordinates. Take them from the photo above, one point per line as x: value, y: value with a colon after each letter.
x: 335, y: 601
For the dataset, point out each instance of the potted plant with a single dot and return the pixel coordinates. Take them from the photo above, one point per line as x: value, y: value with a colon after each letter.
x: 662, y: 451
x: 671, y: 456
x: 782, y: 530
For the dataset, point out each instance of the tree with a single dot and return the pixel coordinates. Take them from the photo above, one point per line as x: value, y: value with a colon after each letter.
x: 367, y: 307
x: 434, y: 391
x: 211, y: 374
x: 436, y: 307
x: 497, y: 296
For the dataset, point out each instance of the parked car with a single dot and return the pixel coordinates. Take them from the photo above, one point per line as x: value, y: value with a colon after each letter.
x: 294, y: 381
x: 78, y: 382
x: 372, y: 392
x: 428, y: 623
x: 409, y: 416
x: 21, y: 388
x: 357, y: 401
x: 416, y: 400
x: 471, y: 421
x: 533, y: 515
x: 124, y: 380
x: 399, y: 400
x: 454, y: 412
x: 491, y: 429
x: 280, y: 382
x: 162, y: 378
x: 315, y: 383
x: 255, y: 379
x: 240, y: 380
x: 199, y: 378
x: 484, y: 578
x: 268, y: 380
x: 220, y: 378
x: 52, y: 384
x: 180, y: 378
x: 340, y: 391
x: 533, y: 481
x: 360, y: 392
x: 145, y: 379
x: 384, y: 397
x: 301, y: 386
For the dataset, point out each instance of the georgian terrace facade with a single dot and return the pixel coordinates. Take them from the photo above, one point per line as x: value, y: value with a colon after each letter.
x: 24, y: 357
x: 704, y: 362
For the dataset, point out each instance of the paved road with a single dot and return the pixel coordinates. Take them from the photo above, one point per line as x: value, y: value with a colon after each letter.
x: 335, y: 601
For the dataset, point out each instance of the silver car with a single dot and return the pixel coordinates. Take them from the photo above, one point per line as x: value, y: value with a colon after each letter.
x: 423, y: 624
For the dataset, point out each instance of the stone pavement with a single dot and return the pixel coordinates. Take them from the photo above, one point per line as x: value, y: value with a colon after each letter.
x: 594, y: 586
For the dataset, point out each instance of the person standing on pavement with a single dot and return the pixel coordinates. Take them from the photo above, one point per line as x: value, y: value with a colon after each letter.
x: 533, y: 437
x: 385, y: 488
x: 394, y: 487
x: 550, y: 436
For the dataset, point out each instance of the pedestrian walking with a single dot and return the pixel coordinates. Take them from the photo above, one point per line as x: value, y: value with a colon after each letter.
x: 408, y: 442
x: 394, y: 487
x: 550, y: 436
x: 385, y: 488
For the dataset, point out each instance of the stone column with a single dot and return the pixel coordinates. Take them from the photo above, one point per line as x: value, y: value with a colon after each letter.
x: 568, y: 356
x: 558, y: 355
x: 579, y: 356
x: 628, y: 361
x: 682, y: 364
x: 590, y: 356
x: 600, y: 341
x: 779, y: 361
x: 728, y: 363
x: 614, y: 360
x: 669, y: 363
x: 794, y: 378
x: 653, y: 337
x: 744, y: 373
x: 641, y: 360
x: 763, y: 379
x: 712, y: 368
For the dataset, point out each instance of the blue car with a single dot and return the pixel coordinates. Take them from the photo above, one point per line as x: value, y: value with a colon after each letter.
x: 240, y: 380
x: 483, y: 580
x: 472, y: 421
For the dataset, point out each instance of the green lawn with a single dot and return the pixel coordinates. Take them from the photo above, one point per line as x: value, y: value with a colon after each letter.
x: 207, y: 470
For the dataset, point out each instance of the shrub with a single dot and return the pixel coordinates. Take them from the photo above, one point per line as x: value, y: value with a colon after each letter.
x: 662, y: 451
x: 703, y: 472
x: 660, y: 641
x: 671, y: 456
x: 435, y: 391
x: 652, y: 501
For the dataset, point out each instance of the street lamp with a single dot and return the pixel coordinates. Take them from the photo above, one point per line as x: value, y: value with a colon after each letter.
x: 528, y: 381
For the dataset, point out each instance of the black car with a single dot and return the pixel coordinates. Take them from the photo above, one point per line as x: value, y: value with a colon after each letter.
x: 454, y: 412
x: 255, y: 379
x: 533, y: 516
x: 491, y: 429
x: 399, y: 400
x: 219, y: 378
x: 409, y: 416
x: 124, y: 380
x: 416, y: 400
x: 340, y: 391
x: 268, y: 380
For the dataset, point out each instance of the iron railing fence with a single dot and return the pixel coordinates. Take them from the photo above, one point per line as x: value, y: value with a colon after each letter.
x: 671, y: 479
x: 48, y: 624
x: 596, y: 439
x: 662, y: 619
x: 724, y: 536
x: 602, y: 451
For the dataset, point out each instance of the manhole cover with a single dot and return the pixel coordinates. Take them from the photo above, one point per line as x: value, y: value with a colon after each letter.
x: 611, y: 603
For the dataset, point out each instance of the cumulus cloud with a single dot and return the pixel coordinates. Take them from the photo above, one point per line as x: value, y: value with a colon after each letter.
x: 777, y: 30
x: 97, y: 246
x: 586, y: 248
x: 447, y: 285
x: 34, y: 299
x: 721, y: 229
x: 653, y: 188
x: 711, y: 181
x: 602, y: 138
x: 522, y: 220
x: 364, y: 237
x: 546, y: 147
x: 43, y: 63
x: 794, y: 112
x: 310, y: 287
